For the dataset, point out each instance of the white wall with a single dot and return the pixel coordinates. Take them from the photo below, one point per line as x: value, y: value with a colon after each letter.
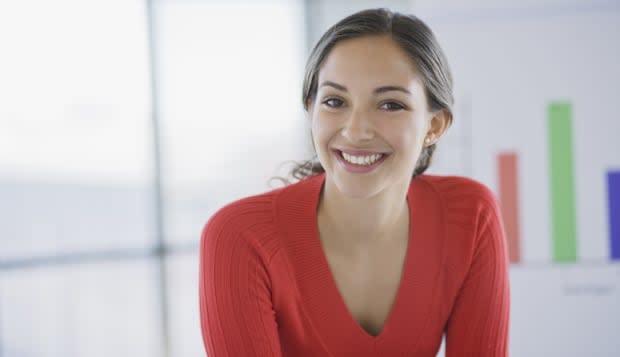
x: 510, y: 60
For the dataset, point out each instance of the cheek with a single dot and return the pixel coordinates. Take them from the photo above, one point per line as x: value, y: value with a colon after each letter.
x: 316, y: 134
x: 409, y: 139
x: 319, y: 139
x: 321, y: 131
x: 404, y: 137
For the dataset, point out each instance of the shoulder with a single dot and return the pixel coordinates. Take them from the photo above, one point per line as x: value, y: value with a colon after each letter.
x: 472, y: 223
x: 244, y: 212
x: 243, y: 224
x: 252, y: 221
x: 461, y: 193
x: 471, y: 211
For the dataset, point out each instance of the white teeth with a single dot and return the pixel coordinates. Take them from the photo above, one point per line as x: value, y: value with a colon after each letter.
x: 362, y: 160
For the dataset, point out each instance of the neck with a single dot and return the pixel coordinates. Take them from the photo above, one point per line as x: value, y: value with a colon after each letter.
x: 367, y: 220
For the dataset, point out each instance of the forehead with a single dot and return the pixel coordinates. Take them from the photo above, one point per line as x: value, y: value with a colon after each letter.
x: 369, y: 60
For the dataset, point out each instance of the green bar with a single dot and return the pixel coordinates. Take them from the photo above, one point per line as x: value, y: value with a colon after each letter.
x: 563, y: 216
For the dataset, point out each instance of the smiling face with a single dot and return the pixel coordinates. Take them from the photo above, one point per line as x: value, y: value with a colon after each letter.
x: 370, y: 116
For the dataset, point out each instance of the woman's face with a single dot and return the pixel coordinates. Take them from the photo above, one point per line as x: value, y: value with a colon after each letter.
x: 369, y: 116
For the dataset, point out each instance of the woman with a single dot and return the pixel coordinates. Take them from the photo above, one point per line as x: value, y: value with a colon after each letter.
x: 365, y: 255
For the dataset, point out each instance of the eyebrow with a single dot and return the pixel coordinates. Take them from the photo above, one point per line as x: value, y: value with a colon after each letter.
x: 378, y: 90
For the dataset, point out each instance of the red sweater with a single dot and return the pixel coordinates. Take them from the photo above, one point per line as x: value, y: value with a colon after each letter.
x: 266, y: 288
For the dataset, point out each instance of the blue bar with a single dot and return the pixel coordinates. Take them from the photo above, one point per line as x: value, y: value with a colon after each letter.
x: 613, y: 186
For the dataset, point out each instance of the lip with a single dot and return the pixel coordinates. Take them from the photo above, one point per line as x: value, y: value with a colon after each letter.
x: 357, y: 152
x: 360, y: 169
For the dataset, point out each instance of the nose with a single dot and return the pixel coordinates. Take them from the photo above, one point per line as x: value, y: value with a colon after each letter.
x: 358, y: 127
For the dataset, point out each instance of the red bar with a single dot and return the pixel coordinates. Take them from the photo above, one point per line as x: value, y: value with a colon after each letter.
x: 509, y: 202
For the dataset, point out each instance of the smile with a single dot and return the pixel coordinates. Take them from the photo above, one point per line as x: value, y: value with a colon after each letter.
x: 360, y: 162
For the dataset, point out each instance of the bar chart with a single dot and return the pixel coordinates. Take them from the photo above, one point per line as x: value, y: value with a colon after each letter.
x: 562, y: 195
x: 537, y: 122
x: 613, y: 187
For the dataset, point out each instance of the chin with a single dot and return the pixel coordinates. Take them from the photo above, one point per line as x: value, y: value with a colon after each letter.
x: 358, y: 188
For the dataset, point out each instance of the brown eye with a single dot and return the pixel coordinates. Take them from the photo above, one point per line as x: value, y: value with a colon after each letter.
x: 333, y: 102
x: 392, y: 106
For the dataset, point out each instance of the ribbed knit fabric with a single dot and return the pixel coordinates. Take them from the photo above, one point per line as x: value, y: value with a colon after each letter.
x: 266, y: 288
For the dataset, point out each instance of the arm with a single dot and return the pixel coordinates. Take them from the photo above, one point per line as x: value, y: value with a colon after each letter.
x: 236, y: 312
x: 478, y: 324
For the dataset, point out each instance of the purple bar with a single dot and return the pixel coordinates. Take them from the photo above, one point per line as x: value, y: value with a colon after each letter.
x: 613, y: 186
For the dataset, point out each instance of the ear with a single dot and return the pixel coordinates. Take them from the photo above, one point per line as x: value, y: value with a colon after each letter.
x: 439, y: 124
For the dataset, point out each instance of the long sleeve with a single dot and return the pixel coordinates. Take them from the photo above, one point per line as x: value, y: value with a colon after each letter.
x: 236, y: 311
x: 478, y: 324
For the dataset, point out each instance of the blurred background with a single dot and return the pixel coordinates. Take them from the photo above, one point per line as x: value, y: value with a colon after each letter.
x: 125, y: 124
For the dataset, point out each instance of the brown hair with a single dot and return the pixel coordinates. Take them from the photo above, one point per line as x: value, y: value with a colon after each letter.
x: 414, y: 37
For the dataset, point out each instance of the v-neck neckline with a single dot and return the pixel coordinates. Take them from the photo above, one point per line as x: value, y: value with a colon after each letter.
x: 327, y: 310
x: 334, y: 286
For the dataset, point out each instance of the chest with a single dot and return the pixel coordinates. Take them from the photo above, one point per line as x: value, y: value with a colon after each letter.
x: 369, y: 282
